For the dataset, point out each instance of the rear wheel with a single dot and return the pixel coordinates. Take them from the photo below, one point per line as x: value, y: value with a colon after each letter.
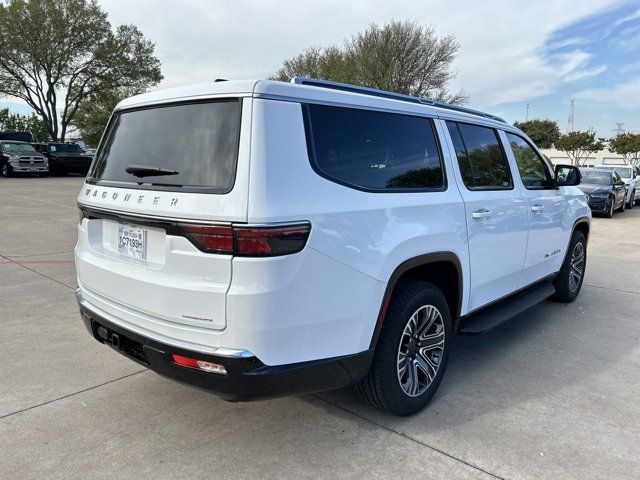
x: 631, y: 200
x: 622, y: 207
x: 412, y: 350
x: 569, y: 280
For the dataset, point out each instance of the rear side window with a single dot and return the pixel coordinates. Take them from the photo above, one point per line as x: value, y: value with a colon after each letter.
x: 191, y: 147
x: 483, y: 164
x: 533, y: 170
x: 373, y: 150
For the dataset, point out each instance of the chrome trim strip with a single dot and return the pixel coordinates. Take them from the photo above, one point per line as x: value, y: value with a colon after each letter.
x: 189, y: 220
x: 219, y: 351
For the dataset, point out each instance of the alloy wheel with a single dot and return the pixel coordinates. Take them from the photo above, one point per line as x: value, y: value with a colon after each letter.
x: 420, y: 350
x: 576, y: 270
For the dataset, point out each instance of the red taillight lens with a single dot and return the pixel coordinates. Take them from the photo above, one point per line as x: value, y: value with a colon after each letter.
x: 249, y: 241
x: 271, y: 241
x: 217, y: 239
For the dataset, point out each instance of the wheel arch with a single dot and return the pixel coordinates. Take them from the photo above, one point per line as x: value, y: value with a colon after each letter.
x: 443, y: 269
x: 583, y: 225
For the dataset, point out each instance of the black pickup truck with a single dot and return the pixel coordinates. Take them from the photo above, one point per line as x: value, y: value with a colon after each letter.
x: 65, y: 158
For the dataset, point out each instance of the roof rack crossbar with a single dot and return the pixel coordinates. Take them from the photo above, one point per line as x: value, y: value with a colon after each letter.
x: 394, y: 96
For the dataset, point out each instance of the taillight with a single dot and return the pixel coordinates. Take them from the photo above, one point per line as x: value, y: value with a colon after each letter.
x: 215, y: 239
x: 262, y: 241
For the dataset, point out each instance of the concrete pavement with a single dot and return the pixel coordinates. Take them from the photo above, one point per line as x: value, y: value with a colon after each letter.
x: 552, y: 394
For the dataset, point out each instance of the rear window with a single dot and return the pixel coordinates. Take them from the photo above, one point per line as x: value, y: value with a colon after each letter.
x: 65, y: 148
x: 373, y: 150
x: 184, y: 147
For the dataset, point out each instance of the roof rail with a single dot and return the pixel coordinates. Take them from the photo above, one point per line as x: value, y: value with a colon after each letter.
x: 394, y: 96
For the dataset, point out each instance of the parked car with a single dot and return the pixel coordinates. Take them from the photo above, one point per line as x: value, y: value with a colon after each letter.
x: 630, y: 175
x: 18, y: 136
x: 605, y: 190
x: 21, y: 157
x: 272, y: 238
x: 65, y: 158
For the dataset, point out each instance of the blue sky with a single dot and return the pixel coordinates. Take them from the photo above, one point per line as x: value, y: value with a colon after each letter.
x: 603, y: 50
x: 513, y: 52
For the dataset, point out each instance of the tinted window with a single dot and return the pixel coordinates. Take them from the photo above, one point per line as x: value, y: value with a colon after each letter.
x: 482, y: 162
x: 533, y: 170
x: 194, y: 144
x: 65, y: 147
x: 373, y: 150
x: 596, y: 178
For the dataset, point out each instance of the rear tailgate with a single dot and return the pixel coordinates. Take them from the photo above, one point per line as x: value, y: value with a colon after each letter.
x: 166, y: 281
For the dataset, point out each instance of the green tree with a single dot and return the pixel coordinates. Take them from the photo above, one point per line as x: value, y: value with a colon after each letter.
x: 627, y: 145
x: 543, y: 132
x: 56, y: 53
x: 94, y: 111
x: 578, y: 145
x: 16, y: 122
x: 402, y: 57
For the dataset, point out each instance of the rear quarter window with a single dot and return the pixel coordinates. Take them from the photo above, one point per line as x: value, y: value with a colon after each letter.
x: 371, y: 150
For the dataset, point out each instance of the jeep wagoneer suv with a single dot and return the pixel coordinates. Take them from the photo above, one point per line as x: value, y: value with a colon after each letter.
x: 259, y: 238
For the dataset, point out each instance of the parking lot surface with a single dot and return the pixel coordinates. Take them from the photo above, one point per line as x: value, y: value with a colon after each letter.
x: 555, y: 393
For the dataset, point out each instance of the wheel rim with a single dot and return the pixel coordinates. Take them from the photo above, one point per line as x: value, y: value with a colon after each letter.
x: 576, y: 270
x: 611, y: 208
x: 5, y: 170
x: 420, y: 350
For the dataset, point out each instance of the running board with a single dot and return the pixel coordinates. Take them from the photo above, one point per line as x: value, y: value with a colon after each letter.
x: 489, y: 318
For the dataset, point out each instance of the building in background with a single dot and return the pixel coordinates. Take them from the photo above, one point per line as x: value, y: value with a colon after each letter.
x: 595, y: 158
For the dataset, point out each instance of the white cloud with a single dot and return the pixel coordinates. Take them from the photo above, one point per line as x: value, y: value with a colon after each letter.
x: 501, y: 42
x: 623, y: 95
x: 589, y: 72
x: 501, y: 57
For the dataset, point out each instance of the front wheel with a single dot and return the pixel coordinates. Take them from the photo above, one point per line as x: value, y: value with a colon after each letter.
x: 5, y: 170
x: 569, y: 280
x: 412, y: 350
x: 609, y: 212
x: 632, y: 200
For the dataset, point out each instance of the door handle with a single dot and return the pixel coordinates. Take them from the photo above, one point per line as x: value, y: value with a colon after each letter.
x: 537, y: 208
x: 482, y: 213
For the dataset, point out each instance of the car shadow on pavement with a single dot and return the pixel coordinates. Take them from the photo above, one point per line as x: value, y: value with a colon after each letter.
x: 537, y: 355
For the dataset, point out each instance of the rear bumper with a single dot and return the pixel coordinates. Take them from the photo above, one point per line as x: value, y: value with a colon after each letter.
x: 247, y: 377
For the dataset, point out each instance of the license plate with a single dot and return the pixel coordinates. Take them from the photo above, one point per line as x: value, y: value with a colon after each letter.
x: 132, y: 242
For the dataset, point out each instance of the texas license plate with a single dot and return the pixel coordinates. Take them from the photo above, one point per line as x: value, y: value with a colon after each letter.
x: 132, y: 242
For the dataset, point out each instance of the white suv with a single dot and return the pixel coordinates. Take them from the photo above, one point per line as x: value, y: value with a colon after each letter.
x: 260, y: 238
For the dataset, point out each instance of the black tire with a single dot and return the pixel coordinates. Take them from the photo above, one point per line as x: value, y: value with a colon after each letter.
x: 568, y: 288
x: 382, y: 386
x: 631, y: 200
x: 5, y: 170
x: 623, y: 205
x: 609, y: 212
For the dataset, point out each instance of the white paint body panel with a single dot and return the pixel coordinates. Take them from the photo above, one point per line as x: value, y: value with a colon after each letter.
x: 323, y: 301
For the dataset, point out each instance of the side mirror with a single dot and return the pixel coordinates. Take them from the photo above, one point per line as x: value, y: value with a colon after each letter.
x: 567, y: 175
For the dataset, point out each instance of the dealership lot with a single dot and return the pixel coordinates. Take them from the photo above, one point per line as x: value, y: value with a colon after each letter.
x: 552, y: 394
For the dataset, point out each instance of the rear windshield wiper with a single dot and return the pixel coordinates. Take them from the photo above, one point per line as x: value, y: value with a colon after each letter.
x: 144, y: 171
